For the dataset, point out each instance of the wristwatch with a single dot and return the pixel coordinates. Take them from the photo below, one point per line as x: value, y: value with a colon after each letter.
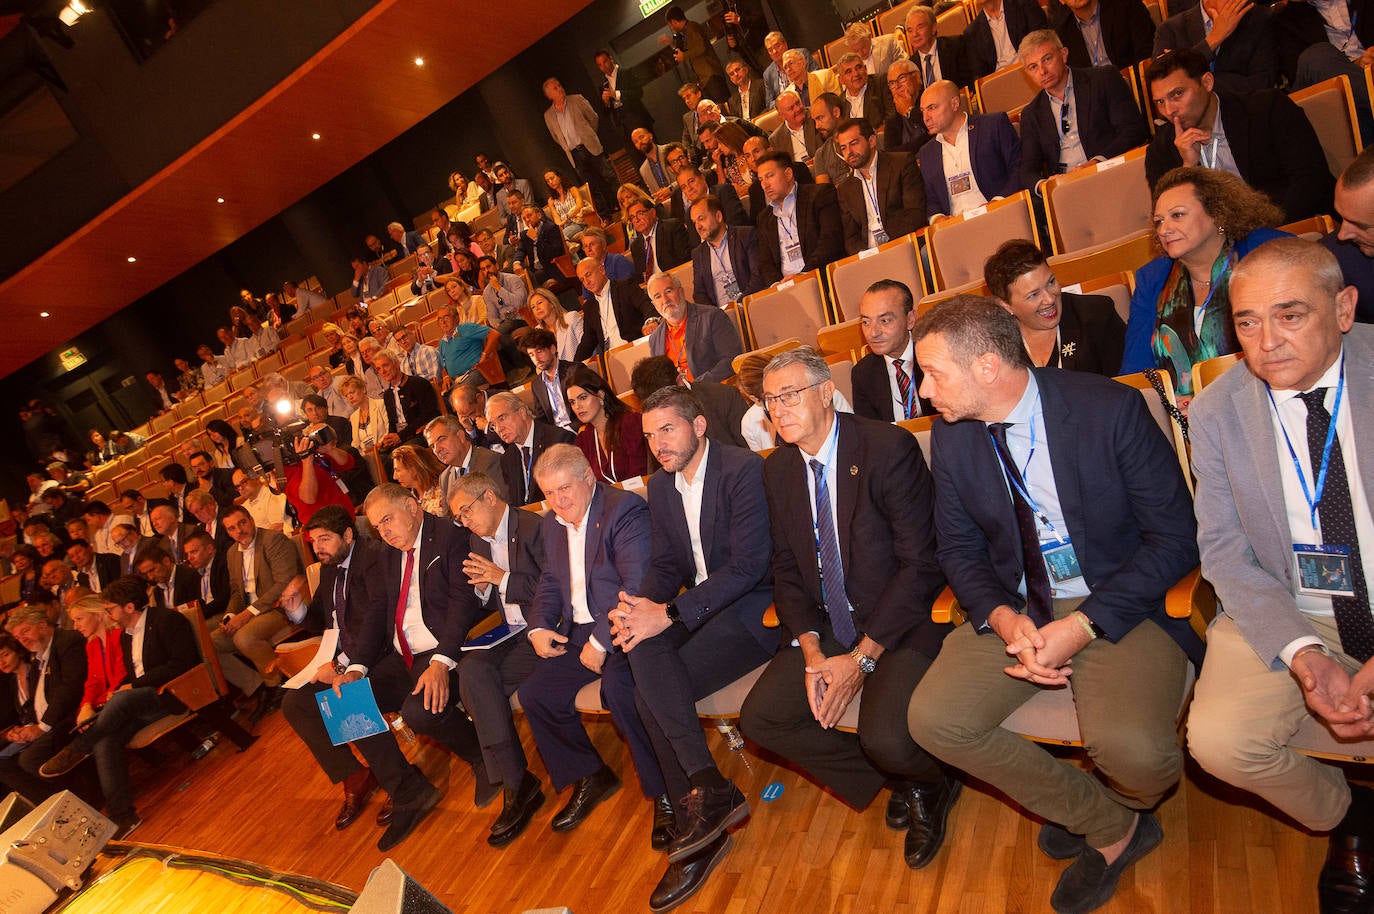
x: 671, y: 610
x: 866, y: 663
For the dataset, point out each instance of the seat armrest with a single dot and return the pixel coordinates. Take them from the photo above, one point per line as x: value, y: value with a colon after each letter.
x: 1192, y: 598
x: 947, y: 609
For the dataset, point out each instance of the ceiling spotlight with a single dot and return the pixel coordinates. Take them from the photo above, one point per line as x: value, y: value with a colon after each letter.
x: 133, y: 260
x: 314, y: 136
x: 419, y: 61
x: 43, y: 314
x: 219, y: 199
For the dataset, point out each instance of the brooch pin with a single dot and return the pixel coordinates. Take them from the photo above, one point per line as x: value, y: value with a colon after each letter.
x: 1067, y: 350
x: 853, y: 471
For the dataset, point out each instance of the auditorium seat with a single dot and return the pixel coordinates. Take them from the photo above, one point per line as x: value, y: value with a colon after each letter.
x: 1330, y: 107
x: 851, y: 276
x: 792, y: 308
x: 845, y: 338
x: 960, y: 245
x: 1098, y: 204
x: 1127, y: 254
x: 1009, y: 90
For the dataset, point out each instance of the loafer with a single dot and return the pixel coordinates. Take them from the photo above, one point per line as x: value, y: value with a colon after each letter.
x: 928, y: 806
x: 355, y: 799
x: 1345, y: 881
x: 665, y: 820
x: 707, y: 813
x: 897, y: 817
x: 385, y: 813
x: 405, y: 818
x: 519, y: 806
x: 1090, y: 881
x: 1058, y: 843
x: 64, y: 761
x: 685, y: 877
x: 587, y: 793
x: 125, y: 826
x: 484, y: 792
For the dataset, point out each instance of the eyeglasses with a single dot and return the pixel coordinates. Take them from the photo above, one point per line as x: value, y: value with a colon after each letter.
x: 464, y: 514
x: 788, y: 398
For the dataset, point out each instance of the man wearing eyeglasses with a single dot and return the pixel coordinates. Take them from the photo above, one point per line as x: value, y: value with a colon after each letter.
x: 1081, y: 116
x: 854, y: 577
x: 905, y: 130
x: 323, y: 382
x: 659, y: 244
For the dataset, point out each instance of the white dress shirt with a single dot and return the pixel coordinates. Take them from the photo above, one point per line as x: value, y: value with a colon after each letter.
x: 609, y: 328
x: 500, y: 555
x: 908, y: 360
x: 577, y: 570
x: 692, y: 492
x: 964, y: 192
x: 136, y: 634
x: 789, y: 242
x: 418, y: 635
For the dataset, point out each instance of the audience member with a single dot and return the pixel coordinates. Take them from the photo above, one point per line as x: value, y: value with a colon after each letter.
x: 801, y: 229
x: 725, y: 266
x: 701, y: 340
x: 1353, y: 242
x: 572, y: 123
x: 615, y: 314
x: 1238, y: 43
x: 525, y: 440
x: 884, y: 197
x: 1104, y: 33
x: 864, y: 94
x: 971, y: 159
x: 887, y: 380
x: 550, y: 401
x: 935, y: 56
x: 991, y: 39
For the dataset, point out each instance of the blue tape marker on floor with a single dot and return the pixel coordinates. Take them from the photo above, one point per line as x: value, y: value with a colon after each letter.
x: 771, y: 792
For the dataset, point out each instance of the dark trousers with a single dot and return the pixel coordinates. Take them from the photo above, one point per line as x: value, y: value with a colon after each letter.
x: 19, y: 772
x: 449, y: 728
x: 673, y: 671
x: 777, y: 716
x: 596, y: 172
x: 124, y: 714
x: 486, y: 681
x: 549, y: 699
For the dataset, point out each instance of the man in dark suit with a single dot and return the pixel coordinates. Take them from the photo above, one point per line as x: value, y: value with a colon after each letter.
x: 985, y: 53
x: 504, y: 566
x: 615, y: 312
x: 659, y: 244
x: 1060, y: 329
x: 550, y: 401
x: 428, y: 608
x: 860, y: 490
x: 1353, y: 242
x: 216, y: 481
x: 1102, y: 120
x: 171, y: 530
x: 171, y: 584
x: 702, y: 341
x: 447, y: 439
x: 695, y: 624
x: 725, y: 266
x: 905, y: 132
x: 91, y: 569
x: 622, y: 95
x: 206, y: 510
x: 211, y: 570
x: 887, y: 381
x: 1238, y: 43
x: 800, y: 229
x: 987, y: 142
x: 601, y: 536
x: 934, y: 56
x: 55, y: 684
x: 1104, y: 33
x: 1268, y: 141
x: 884, y: 198
x: 694, y: 190
x: 1061, y: 552
x: 721, y: 403
x: 747, y: 92
x: 1289, y: 650
x: 864, y: 95
x: 410, y: 402
x: 158, y: 645
x: 539, y: 243
x: 525, y: 440
x: 406, y: 241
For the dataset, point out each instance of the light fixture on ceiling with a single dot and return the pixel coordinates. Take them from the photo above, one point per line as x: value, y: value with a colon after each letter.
x: 314, y: 136
x: 43, y: 314
x: 419, y: 61
x: 133, y: 260
x: 219, y: 199
x: 72, y: 12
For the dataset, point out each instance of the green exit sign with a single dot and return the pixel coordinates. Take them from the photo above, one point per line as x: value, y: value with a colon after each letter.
x: 648, y: 7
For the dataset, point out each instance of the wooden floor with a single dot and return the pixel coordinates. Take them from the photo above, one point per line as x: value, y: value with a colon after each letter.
x: 804, y: 852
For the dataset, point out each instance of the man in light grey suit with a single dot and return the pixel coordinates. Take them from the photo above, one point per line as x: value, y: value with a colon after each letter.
x: 654, y: 169
x: 450, y: 443
x: 572, y: 123
x: 1296, y: 636
x: 707, y: 342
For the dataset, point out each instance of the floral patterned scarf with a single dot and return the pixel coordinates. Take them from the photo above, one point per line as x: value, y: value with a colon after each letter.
x: 1178, y: 342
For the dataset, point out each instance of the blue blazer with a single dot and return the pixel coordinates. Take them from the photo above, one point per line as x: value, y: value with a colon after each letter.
x: 1121, y: 490
x: 735, y: 542
x: 1149, y: 282
x: 618, y: 549
x: 994, y: 151
x: 742, y: 243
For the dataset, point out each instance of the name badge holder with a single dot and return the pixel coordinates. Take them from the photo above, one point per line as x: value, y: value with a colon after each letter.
x: 961, y: 183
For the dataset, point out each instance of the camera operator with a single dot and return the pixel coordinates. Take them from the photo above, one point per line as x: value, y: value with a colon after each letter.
x: 313, y: 466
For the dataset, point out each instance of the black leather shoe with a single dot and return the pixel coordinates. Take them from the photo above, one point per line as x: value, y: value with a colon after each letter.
x: 587, y: 793
x: 483, y: 790
x: 708, y: 813
x: 897, y: 817
x: 664, y: 821
x: 1090, y: 881
x: 385, y: 813
x: 519, y: 806
x: 929, y: 808
x: 1345, y: 883
x: 1058, y: 843
x: 405, y: 818
x: 686, y: 876
x: 269, y: 700
x: 355, y: 799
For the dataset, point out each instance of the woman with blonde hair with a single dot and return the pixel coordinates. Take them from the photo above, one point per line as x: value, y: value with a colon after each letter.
x: 104, y: 656
x: 419, y: 470
x: 566, y: 327
x: 368, y: 419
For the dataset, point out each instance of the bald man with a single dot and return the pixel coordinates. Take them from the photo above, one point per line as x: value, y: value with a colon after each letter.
x: 972, y: 158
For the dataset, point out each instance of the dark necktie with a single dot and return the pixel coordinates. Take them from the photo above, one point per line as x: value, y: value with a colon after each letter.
x: 648, y: 257
x: 1039, y: 603
x: 83, y: 579
x: 406, y: 653
x: 903, y: 386
x: 930, y: 69
x: 525, y: 462
x: 659, y: 176
x: 31, y: 681
x: 394, y: 407
x: 1337, y: 515
x: 339, y: 595
x: 832, y: 569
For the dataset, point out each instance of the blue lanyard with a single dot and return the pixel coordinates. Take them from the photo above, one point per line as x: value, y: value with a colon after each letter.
x: 1016, y: 479
x: 719, y: 257
x: 1314, y: 499
x: 909, y: 401
x: 870, y: 188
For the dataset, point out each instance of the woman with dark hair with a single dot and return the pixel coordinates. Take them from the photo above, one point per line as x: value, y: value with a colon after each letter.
x: 1205, y: 221
x: 567, y: 204
x: 464, y: 264
x: 730, y: 140
x: 16, y: 703
x: 224, y: 440
x: 26, y: 563
x: 612, y: 434
x: 419, y: 470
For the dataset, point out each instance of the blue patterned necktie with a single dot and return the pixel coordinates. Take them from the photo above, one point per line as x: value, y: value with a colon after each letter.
x: 832, y: 569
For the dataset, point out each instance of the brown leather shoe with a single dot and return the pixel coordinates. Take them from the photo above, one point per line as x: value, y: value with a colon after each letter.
x: 384, y: 814
x: 356, y: 796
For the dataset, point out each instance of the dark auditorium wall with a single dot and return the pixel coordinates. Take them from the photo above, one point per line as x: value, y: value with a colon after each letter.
x: 502, y: 115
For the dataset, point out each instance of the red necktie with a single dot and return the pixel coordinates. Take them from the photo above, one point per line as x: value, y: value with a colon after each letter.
x: 406, y: 653
x: 903, y: 386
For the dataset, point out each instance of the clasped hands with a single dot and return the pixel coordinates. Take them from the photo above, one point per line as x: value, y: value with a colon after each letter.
x: 1044, y: 654
x: 1338, y: 698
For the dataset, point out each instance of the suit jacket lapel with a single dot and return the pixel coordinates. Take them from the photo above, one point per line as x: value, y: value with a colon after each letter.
x: 1359, y: 380
x: 1253, y: 413
x: 1237, y: 135
x: 1083, y: 106
x: 1062, y: 436
x: 847, y: 460
x: 592, y: 552
x: 709, y: 495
